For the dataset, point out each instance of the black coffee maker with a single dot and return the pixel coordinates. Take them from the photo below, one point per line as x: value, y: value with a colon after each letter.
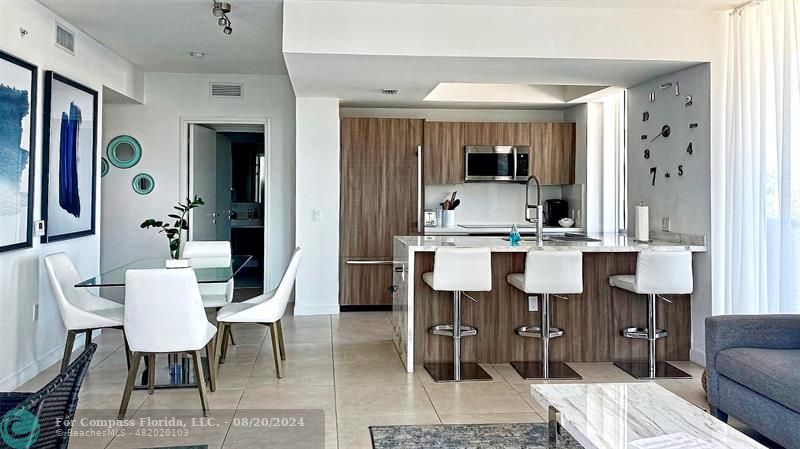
x: 555, y: 210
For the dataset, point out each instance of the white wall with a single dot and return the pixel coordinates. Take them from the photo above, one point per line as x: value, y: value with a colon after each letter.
x: 27, y: 346
x: 685, y: 199
x: 169, y: 98
x: 317, y: 291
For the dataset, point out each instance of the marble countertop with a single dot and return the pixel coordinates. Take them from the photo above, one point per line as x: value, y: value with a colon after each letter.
x: 636, y: 416
x: 523, y: 229
x: 607, y: 243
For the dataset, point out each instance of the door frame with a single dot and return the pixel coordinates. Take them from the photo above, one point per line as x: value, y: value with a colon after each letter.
x: 185, y: 165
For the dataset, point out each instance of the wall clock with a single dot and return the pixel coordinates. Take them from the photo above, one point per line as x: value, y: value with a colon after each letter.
x: 666, y: 156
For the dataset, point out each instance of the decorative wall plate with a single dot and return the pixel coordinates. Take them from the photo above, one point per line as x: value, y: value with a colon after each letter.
x: 143, y: 184
x: 124, y: 152
x: 103, y: 167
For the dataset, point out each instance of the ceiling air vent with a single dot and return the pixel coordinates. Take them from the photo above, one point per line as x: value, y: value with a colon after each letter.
x: 226, y: 90
x: 65, y: 39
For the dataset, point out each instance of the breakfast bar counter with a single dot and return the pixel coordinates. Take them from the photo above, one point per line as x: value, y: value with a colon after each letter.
x: 591, y: 321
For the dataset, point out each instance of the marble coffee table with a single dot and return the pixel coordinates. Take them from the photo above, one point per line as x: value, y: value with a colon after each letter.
x: 632, y: 416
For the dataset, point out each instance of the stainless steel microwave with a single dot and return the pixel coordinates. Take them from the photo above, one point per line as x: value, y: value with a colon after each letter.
x: 507, y: 163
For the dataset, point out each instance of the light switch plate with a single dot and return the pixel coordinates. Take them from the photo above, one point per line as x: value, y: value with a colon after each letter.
x: 316, y: 215
x: 666, y: 224
x: 533, y: 303
x: 39, y: 228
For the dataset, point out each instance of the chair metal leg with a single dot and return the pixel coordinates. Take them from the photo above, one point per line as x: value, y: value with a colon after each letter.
x: 212, y: 373
x: 230, y: 336
x: 201, y: 380
x: 545, y: 316
x: 226, y: 334
x: 276, y: 354
x: 68, y: 350
x: 127, y: 350
x: 280, y: 339
x: 126, y: 393
x: 218, y: 343
x: 151, y: 373
x: 456, y: 336
x: 87, y: 340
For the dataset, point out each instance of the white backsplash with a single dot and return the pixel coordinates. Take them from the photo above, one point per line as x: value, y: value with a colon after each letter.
x: 493, y: 203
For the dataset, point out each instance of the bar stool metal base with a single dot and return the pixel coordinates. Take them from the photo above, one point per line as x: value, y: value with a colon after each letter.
x: 534, y: 370
x: 641, y: 370
x: 470, y: 371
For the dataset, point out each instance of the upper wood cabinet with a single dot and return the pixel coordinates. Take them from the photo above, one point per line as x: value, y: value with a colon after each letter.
x: 444, y: 153
x: 445, y: 141
x: 553, y: 148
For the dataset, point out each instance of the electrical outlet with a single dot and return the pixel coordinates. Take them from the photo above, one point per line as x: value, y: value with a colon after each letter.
x: 35, y: 312
x: 39, y: 228
x: 316, y: 215
x: 666, y: 225
x: 533, y: 303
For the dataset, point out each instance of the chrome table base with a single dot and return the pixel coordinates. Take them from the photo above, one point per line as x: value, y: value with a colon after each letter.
x: 642, y: 370
x: 535, y: 370
x: 444, y: 372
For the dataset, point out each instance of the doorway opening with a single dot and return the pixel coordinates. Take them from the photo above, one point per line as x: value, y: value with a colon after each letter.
x: 228, y: 167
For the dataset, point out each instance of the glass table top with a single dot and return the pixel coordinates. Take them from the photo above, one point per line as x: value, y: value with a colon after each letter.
x: 116, y: 277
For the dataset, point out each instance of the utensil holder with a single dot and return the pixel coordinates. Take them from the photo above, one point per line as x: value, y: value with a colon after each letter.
x: 449, y: 218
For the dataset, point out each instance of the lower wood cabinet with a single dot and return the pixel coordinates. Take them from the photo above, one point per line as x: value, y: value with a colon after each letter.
x: 365, y: 284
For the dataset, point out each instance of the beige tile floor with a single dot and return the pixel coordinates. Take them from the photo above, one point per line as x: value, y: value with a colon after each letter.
x: 345, y: 365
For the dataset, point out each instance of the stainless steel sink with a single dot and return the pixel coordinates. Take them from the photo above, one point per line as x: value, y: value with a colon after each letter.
x: 560, y: 238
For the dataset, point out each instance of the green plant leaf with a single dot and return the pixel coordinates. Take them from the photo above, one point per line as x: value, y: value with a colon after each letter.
x: 175, y: 216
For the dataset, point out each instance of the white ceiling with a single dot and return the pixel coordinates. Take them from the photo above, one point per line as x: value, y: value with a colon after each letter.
x: 711, y: 5
x: 358, y: 80
x: 158, y: 35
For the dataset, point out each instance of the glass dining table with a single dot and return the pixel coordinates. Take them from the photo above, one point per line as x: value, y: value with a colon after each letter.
x: 178, y: 372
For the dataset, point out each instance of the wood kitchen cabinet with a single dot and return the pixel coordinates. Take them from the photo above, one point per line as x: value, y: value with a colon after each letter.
x: 553, y: 152
x: 378, y: 201
x: 444, y: 153
x: 445, y: 141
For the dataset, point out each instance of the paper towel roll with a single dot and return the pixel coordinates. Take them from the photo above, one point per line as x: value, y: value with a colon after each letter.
x: 642, y: 227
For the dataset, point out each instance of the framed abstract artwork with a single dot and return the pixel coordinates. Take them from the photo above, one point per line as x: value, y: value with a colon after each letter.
x: 69, y: 158
x: 17, y: 144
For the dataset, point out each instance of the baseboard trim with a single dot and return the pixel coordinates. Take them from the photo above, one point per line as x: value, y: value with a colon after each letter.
x: 698, y: 357
x: 24, y: 374
x: 332, y: 309
x: 369, y: 308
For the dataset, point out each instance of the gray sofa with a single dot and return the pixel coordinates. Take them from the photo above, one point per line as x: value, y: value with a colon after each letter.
x: 753, y: 368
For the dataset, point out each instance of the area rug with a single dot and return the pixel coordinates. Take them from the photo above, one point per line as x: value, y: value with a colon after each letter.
x: 467, y: 436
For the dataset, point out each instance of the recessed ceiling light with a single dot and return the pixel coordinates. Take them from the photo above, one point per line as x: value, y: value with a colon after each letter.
x: 197, y: 54
x: 390, y: 91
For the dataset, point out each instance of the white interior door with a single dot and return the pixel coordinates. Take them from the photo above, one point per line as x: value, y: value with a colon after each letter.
x: 203, y: 182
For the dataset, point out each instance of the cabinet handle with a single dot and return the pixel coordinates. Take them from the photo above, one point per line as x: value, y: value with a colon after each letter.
x: 370, y: 262
x: 420, y: 218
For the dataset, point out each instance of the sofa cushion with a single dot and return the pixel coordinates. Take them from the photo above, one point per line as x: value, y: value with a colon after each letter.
x: 774, y: 373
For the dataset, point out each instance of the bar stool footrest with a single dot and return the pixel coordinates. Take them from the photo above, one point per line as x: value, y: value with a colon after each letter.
x: 534, y: 370
x: 470, y: 371
x: 640, y: 369
x: 536, y: 332
x: 446, y: 330
x: 641, y: 333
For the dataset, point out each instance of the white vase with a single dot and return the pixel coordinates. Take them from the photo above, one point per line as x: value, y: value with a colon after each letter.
x: 449, y: 218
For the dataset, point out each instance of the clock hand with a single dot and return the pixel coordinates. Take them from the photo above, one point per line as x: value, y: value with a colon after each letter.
x: 656, y: 137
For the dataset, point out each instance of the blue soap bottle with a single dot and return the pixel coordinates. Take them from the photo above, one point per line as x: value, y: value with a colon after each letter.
x: 514, y: 236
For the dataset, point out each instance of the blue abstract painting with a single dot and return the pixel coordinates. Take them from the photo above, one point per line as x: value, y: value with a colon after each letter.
x: 68, y: 193
x: 14, y: 107
x: 17, y: 138
x: 70, y: 158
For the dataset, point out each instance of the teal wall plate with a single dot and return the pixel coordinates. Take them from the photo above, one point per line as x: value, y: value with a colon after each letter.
x: 103, y: 167
x: 124, y: 152
x: 143, y: 184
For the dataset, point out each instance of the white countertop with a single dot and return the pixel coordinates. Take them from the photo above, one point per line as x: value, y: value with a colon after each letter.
x: 523, y: 230
x: 636, y: 416
x: 608, y: 243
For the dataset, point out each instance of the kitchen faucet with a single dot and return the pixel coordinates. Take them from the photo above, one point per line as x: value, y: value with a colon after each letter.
x: 539, y: 217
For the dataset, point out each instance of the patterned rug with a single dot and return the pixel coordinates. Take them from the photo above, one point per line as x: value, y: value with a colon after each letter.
x: 467, y: 436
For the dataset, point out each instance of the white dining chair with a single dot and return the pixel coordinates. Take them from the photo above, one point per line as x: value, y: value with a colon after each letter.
x: 267, y: 309
x: 81, y: 311
x: 213, y: 254
x: 164, y: 314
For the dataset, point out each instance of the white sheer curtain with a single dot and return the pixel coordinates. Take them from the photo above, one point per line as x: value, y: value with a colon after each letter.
x: 762, y: 218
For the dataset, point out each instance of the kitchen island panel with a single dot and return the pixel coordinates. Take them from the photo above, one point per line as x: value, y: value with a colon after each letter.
x: 591, y: 321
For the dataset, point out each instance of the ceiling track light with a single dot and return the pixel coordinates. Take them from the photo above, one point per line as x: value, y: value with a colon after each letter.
x: 221, y: 10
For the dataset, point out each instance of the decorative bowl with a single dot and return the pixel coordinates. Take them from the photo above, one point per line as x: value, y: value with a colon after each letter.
x: 566, y: 222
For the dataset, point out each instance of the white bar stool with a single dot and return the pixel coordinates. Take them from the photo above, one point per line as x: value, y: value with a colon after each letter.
x: 547, y: 273
x: 657, y: 273
x: 458, y: 270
